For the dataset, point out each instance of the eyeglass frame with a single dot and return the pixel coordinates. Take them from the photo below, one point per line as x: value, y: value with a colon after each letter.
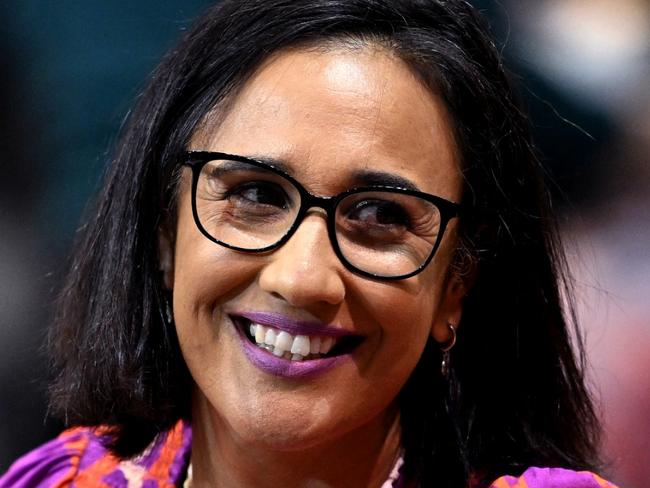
x: 196, y: 160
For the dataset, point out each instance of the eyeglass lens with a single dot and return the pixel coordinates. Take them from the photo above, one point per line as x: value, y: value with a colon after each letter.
x: 380, y: 232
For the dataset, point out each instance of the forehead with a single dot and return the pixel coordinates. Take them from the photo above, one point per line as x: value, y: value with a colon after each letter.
x: 330, y: 114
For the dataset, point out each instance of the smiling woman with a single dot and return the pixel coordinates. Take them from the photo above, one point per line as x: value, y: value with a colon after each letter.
x: 323, y: 256
x: 303, y: 108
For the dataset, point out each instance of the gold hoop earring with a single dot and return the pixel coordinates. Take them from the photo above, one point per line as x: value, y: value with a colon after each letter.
x: 444, y: 364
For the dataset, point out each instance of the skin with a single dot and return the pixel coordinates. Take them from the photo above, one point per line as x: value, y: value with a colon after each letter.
x: 326, y: 114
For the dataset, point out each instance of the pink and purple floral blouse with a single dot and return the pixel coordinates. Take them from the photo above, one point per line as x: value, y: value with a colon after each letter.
x: 78, y: 459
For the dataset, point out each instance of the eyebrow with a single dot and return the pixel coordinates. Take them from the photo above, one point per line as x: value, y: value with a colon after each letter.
x: 383, y: 178
x: 363, y: 177
x: 275, y: 163
x: 229, y: 165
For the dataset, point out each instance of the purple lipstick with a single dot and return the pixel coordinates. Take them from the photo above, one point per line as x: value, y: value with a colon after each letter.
x: 294, y: 327
x: 294, y: 339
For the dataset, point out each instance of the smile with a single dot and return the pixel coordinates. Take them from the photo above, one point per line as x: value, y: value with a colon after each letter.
x: 295, y: 348
x: 284, y: 347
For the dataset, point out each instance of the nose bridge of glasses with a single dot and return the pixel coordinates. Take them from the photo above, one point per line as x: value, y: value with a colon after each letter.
x: 319, y: 205
x: 310, y: 240
x: 313, y: 205
x: 311, y: 202
x: 316, y: 211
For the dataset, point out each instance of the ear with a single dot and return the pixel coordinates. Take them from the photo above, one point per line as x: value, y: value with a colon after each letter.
x: 166, y: 257
x: 450, y: 308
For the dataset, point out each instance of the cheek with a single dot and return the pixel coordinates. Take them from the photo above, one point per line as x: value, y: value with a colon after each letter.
x: 405, y: 309
x: 402, y: 314
x: 205, y: 275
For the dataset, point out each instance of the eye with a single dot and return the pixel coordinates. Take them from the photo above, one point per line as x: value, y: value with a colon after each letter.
x: 376, y: 212
x: 260, y: 193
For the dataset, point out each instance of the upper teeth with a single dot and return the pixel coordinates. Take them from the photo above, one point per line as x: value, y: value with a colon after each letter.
x: 280, y: 342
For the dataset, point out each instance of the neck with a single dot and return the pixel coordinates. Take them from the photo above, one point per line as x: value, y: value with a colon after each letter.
x: 361, y: 458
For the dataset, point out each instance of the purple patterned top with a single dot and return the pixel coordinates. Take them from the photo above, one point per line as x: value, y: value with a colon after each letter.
x: 78, y: 459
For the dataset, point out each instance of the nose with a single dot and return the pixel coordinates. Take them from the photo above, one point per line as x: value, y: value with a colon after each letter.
x: 305, y: 271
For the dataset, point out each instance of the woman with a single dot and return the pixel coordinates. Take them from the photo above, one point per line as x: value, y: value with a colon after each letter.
x: 323, y: 256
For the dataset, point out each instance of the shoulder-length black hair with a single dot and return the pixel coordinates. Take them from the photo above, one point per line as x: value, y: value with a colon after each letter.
x: 516, y: 395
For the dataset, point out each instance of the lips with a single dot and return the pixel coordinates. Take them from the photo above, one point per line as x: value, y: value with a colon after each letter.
x: 282, y: 346
x: 293, y: 326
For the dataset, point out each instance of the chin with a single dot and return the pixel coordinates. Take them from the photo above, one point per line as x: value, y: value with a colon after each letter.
x: 280, y: 435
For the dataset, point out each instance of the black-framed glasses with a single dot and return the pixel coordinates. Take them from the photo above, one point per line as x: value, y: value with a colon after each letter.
x: 376, y: 231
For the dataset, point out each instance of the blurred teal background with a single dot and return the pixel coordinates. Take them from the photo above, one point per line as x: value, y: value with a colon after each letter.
x: 71, y: 70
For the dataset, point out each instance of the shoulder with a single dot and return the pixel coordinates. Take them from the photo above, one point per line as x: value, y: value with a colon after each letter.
x: 79, y: 458
x: 552, y: 478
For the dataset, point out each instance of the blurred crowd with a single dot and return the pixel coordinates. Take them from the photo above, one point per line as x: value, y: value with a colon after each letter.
x: 596, y: 54
x: 70, y: 74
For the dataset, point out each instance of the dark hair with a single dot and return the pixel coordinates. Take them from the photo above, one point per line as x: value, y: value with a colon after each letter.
x: 516, y: 395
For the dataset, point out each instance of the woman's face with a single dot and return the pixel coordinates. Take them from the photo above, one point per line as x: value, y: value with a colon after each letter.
x: 329, y: 117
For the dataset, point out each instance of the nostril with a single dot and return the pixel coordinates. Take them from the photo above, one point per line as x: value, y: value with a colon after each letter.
x: 275, y: 294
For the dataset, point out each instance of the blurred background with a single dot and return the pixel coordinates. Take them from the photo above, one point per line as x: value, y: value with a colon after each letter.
x: 71, y: 70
